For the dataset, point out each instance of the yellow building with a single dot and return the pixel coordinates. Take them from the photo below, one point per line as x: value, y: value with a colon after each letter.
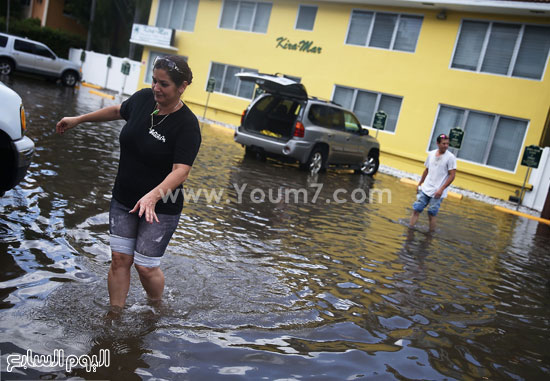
x: 479, y: 65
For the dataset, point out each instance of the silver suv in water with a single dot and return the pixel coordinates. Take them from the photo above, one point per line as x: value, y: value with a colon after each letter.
x: 22, y: 54
x: 284, y: 123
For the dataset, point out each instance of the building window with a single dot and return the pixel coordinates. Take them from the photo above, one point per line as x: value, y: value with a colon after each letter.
x: 177, y: 14
x: 306, y: 17
x: 489, y: 139
x: 149, y: 69
x: 227, y: 83
x: 367, y: 103
x: 384, y: 30
x: 250, y: 16
x: 514, y: 50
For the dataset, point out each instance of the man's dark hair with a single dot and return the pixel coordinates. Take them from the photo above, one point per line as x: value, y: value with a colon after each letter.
x: 441, y: 137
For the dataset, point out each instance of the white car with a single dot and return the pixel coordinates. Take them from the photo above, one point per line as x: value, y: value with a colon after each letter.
x: 22, y: 54
x: 16, y: 150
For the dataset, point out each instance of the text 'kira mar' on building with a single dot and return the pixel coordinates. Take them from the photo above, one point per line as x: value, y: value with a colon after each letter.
x: 302, y: 46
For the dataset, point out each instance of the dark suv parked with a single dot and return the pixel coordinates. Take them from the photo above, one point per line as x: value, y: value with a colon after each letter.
x: 285, y: 123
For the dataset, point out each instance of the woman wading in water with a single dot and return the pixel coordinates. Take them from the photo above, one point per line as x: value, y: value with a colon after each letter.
x: 158, y: 146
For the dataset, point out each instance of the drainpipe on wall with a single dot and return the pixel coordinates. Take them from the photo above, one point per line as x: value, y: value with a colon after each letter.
x: 92, y: 17
x: 8, y: 17
x: 29, y: 9
x: 45, y: 15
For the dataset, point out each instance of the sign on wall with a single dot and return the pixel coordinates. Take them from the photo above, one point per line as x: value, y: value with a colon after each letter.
x: 211, y: 85
x: 380, y: 120
x: 152, y: 36
x: 531, y: 156
x: 455, y: 137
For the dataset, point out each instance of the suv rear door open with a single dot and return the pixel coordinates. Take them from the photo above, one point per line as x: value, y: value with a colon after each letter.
x: 276, y: 85
x: 275, y: 114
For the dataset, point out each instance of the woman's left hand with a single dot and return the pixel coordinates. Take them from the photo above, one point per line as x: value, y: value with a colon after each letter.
x: 146, y: 205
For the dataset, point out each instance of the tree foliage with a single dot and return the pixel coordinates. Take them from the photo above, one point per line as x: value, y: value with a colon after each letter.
x: 111, y: 29
x: 113, y: 21
x: 59, y: 41
x: 16, y: 9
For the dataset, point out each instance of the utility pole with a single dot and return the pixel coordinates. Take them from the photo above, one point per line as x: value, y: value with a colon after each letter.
x: 137, y: 17
x: 90, y: 27
x: 8, y: 17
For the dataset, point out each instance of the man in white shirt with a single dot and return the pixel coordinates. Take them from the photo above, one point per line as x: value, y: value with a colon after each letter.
x: 432, y: 189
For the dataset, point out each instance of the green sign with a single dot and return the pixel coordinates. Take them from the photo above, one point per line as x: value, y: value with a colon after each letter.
x: 531, y: 156
x: 455, y: 137
x: 211, y: 85
x: 259, y: 91
x: 109, y: 61
x: 380, y: 120
x: 83, y: 56
x: 125, y: 68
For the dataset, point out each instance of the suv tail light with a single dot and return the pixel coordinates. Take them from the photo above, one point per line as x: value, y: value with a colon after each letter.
x: 299, y: 130
x: 242, y: 116
x: 23, y: 120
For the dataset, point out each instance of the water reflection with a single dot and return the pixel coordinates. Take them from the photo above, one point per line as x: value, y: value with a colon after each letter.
x: 284, y: 289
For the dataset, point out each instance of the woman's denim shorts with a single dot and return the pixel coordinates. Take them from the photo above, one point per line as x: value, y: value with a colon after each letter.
x: 134, y: 236
x: 423, y: 200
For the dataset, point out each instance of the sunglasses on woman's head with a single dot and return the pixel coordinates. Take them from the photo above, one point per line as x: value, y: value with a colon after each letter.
x: 165, y: 62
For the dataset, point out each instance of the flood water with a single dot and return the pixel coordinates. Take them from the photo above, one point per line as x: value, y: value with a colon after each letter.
x: 272, y: 289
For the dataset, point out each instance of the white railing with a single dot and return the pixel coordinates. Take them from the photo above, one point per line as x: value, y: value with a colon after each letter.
x: 95, y: 71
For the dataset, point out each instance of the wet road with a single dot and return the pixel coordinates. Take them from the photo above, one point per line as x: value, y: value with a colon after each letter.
x: 274, y: 289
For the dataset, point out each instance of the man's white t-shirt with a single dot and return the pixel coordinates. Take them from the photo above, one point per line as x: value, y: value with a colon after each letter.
x: 438, y: 171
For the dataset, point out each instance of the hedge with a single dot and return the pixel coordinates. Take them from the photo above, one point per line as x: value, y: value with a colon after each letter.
x: 57, y: 40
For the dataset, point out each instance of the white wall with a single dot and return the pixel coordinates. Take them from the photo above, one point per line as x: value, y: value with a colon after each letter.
x: 95, y: 71
x: 540, y: 178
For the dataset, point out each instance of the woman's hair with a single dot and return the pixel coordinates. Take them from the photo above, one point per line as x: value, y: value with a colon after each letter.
x: 178, y: 73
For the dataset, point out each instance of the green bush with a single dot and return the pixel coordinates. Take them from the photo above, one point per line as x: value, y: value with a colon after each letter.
x: 59, y: 41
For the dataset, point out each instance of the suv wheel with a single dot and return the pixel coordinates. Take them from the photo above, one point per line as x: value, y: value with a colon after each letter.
x: 253, y: 154
x: 369, y: 166
x: 6, y: 66
x: 317, y: 160
x: 69, y: 78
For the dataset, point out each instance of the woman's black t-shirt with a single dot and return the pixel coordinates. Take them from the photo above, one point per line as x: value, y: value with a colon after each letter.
x: 147, y: 154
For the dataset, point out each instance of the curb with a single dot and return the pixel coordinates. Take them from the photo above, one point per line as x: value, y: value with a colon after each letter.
x: 90, y: 85
x: 102, y: 94
x: 516, y: 213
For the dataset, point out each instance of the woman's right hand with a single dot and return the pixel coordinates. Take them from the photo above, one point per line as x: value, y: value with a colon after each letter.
x: 66, y: 123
